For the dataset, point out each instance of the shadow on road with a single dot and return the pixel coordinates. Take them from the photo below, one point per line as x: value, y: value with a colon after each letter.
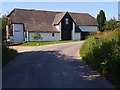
x: 50, y: 69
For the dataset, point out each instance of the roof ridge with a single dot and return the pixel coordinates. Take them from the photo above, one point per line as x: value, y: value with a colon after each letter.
x: 37, y: 10
x: 48, y: 11
x: 32, y: 10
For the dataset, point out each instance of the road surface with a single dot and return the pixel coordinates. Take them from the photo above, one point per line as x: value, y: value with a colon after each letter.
x: 51, y: 66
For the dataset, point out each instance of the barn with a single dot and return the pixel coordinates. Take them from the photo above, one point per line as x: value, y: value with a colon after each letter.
x: 25, y: 24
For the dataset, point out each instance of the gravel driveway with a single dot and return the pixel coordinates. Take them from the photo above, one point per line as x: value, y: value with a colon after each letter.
x: 51, y: 66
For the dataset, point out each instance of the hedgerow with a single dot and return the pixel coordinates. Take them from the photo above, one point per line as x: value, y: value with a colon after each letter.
x: 102, y: 53
x: 7, y: 55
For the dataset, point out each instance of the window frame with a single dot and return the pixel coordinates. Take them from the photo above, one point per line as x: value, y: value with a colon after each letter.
x: 66, y: 21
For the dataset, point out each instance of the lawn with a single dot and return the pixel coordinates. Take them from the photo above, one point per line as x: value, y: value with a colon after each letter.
x: 45, y: 43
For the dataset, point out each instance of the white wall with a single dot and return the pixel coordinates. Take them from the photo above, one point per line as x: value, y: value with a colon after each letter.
x: 58, y: 26
x: 7, y: 34
x: 45, y: 36
x: 77, y: 36
x: 9, y: 38
x: 88, y: 28
x: 73, y: 31
x: 60, y: 29
x: 18, y: 33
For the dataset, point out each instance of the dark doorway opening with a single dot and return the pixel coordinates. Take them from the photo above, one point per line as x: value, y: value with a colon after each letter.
x: 66, y: 34
x: 84, y: 35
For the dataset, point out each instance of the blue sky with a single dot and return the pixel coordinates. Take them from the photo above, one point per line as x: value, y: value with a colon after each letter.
x: 110, y: 8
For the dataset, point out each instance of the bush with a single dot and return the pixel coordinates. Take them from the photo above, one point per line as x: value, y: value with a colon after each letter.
x: 111, y: 66
x: 7, y: 55
x: 101, y: 52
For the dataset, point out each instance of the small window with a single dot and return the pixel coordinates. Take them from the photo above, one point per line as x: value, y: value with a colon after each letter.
x: 17, y: 30
x: 66, y: 21
x: 53, y: 34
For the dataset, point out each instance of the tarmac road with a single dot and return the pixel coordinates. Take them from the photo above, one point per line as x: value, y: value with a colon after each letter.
x: 51, y: 66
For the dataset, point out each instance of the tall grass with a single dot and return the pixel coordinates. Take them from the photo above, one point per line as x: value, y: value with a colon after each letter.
x: 102, y: 53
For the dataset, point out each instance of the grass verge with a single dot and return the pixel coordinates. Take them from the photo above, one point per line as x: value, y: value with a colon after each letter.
x: 44, y: 43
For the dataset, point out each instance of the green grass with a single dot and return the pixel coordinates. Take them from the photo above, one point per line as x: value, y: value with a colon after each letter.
x: 44, y: 43
x: 101, y: 52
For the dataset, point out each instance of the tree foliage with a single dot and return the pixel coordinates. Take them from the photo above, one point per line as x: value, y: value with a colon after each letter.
x: 101, y: 19
x: 112, y: 24
x: 4, y: 22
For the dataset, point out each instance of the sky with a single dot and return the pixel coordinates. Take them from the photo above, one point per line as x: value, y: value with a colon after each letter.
x: 93, y: 8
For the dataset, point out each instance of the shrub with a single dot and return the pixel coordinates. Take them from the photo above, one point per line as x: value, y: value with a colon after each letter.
x: 101, y: 52
x: 7, y: 55
x: 37, y: 36
x: 111, y: 66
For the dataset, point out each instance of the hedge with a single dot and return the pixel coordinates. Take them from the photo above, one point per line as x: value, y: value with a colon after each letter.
x: 7, y: 55
x: 102, y: 53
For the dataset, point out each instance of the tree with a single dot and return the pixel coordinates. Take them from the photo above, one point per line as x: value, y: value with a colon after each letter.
x: 118, y: 24
x: 101, y: 19
x: 4, y: 22
x: 112, y: 24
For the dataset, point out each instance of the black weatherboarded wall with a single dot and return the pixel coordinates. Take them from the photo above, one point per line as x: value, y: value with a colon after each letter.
x: 66, y: 29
